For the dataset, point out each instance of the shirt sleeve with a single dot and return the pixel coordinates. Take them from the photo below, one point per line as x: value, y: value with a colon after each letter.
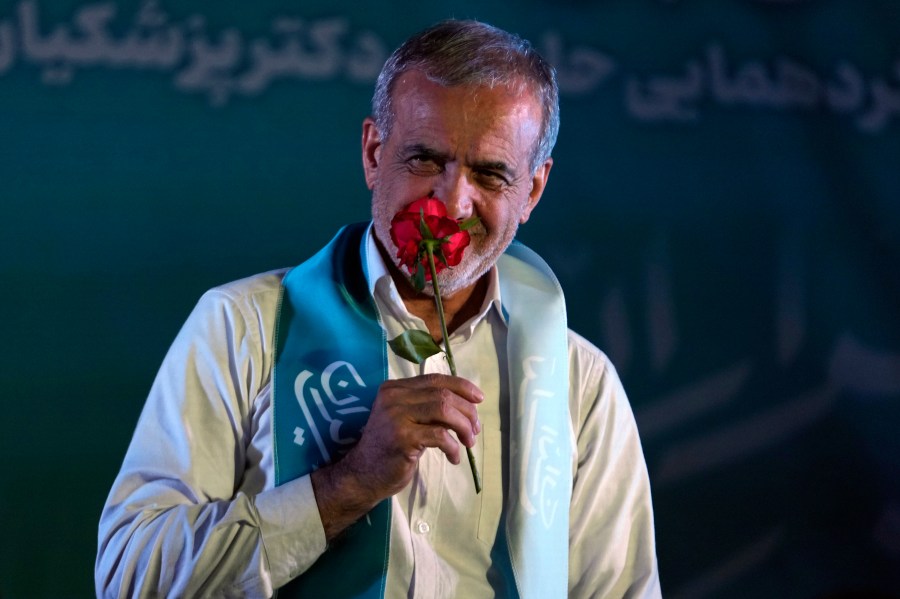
x: 192, y: 512
x: 611, y: 536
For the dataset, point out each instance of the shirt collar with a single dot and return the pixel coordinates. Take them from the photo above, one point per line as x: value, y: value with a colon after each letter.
x: 375, y: 266
x: 381, y: 285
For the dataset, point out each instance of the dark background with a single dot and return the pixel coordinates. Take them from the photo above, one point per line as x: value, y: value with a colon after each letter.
x: 723, y: 214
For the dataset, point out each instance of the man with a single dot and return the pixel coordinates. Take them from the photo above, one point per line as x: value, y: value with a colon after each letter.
x: 282, y: 445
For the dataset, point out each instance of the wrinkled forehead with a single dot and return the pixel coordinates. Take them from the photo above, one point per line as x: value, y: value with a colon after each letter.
x: 415, y: 95
x: 421, y: 102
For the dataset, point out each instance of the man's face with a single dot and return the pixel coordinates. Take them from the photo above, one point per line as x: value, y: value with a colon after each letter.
x: 471, y: 147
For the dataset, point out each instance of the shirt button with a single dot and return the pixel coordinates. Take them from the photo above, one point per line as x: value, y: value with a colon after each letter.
x: 423, y: 527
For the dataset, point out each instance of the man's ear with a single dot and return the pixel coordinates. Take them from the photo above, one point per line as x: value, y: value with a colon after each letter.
x: 538, y: 183
x: 371, y: 150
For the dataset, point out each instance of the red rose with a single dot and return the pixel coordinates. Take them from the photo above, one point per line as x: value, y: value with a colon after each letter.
x: 428, y: 241
x: 407, y: 235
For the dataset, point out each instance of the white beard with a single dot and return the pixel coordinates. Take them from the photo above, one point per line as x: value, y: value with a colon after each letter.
x: 478, y: 258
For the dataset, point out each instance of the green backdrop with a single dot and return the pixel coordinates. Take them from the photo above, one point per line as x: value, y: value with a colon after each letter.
x: 724, y: 213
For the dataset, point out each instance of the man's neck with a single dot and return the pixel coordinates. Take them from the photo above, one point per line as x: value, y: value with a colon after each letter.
x: 459, y: 307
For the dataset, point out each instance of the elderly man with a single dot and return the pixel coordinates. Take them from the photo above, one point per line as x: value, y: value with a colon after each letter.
x: 284, y: 446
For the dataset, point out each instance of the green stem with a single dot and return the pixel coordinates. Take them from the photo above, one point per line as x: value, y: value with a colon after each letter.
x: 440, y: 310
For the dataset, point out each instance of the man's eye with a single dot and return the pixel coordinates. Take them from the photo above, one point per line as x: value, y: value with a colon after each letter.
x: 424, y: 165
x: 491, y: 179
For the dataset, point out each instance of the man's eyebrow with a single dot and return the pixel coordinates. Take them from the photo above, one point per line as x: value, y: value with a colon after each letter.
x: 418, y: 149
x: 421, y: 150
x: 494, y: 165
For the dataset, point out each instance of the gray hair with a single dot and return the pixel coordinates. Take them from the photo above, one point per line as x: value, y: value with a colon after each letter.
x: 454, y: 52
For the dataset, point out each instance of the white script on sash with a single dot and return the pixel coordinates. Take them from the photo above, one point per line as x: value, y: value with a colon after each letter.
x: 542, y: 454
x: 312, y: 405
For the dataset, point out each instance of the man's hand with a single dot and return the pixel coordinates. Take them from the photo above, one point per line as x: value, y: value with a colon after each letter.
x: 408, y: 416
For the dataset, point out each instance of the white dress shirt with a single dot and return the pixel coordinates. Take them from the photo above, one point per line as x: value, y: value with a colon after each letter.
x: 194, y: 511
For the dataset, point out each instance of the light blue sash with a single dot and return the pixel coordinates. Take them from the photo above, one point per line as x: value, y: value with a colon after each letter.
x: 537, y: 526
x: 329, y: 362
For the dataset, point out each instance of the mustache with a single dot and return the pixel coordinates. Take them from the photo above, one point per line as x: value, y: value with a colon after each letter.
x: 477, y: 230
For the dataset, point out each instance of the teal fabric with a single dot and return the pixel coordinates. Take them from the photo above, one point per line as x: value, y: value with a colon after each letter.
x: 540, y: 465
x: 330, y: 360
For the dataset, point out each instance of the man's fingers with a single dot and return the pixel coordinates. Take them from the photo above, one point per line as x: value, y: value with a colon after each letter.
x: 436, y: 399
x: 446, y: 409
x: 441, y: 438
x: 460, y: 386
x: 412, y: 414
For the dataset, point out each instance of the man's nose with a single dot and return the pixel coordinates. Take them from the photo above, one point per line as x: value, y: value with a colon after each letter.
x: 457, y: 193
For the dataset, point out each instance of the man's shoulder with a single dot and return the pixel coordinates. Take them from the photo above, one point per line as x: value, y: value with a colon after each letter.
x: 254, y: 294
x: 259, y: 284
x: 580, y: 347
x: 589, y: 365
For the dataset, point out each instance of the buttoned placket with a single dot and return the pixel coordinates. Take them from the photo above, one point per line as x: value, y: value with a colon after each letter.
x: 425, y: 568
x: 426, y: 505
x: 423, y: 501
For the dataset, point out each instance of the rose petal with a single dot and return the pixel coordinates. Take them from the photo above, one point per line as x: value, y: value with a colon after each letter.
x: 454, y: 247
x: 407, y: 235
x: 428, y: 206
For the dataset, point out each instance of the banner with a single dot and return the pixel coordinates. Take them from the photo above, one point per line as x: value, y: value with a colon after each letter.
x: 722, y: 212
